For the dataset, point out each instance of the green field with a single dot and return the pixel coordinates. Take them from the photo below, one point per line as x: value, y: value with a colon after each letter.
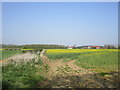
x: 100, y: 60
x: 8, y: 53
x: 22, y: 74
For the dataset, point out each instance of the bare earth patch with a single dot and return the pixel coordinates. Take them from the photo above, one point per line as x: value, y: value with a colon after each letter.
x: 19, y: 57
x: 67, y: 75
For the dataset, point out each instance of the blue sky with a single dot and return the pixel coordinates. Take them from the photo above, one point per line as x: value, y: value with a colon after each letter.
x: 70, y: 23
x: 0, y: 22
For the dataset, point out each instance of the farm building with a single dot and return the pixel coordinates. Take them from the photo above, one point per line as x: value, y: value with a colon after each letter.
x: 94, y: 47
x: 71, y: 47
x: 90, y: 47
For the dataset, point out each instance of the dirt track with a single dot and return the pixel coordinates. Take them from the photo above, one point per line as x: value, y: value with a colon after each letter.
x: 62, y: 74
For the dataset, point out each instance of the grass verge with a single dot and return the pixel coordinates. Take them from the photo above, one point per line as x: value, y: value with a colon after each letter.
x: 16, y: 75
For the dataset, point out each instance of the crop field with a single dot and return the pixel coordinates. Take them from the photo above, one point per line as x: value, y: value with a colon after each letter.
x: 8, y: 53
x: 82, y: 68
x: 100, y: 60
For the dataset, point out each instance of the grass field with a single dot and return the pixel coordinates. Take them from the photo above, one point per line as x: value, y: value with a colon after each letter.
x: 100, y: 60
x: 23, y: 74
x: 8, y: 53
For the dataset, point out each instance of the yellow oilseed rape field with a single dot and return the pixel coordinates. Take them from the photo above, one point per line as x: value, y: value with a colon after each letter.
x: 50, y: 51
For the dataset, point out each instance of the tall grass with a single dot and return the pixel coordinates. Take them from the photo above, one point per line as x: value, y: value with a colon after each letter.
x: 103, y: 60
x: 63, y: 56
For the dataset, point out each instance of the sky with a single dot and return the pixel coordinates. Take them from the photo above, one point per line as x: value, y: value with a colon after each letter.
x: 64, y: 23
x: 0, y: 23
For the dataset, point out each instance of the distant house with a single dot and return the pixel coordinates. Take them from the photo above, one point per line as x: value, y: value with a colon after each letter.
x: 94, y: 47
x: 71, y: 47
x: 91, y: 47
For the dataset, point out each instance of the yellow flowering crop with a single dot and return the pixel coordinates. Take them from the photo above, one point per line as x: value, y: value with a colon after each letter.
x: 27, y: 49
x: 2, y: 49
x: 77, y: 50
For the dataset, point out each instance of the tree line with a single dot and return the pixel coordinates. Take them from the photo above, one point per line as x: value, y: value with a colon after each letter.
x: 46, y: 46
x: 33, y: 46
